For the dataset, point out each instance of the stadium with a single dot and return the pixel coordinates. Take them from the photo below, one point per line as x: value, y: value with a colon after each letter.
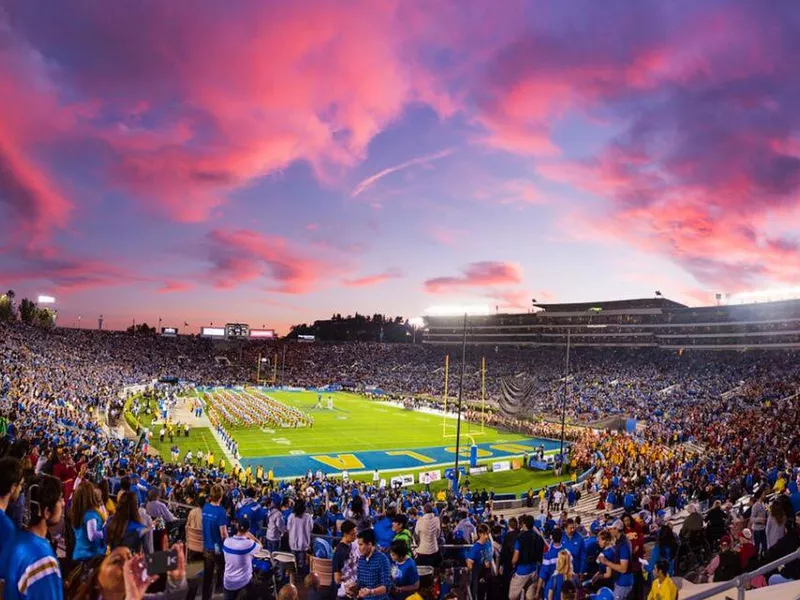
x: 399, y: 300
x: 642, y: 407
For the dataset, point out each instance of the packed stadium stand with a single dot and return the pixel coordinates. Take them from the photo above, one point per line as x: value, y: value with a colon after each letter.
x: 703, y: 487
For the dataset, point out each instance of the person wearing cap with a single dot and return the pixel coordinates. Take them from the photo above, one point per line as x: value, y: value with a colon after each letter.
x: 725, y: 565
x: 239, y: 550
x: 591, y: 550
x: 747, y: 550
x: 621, y: 565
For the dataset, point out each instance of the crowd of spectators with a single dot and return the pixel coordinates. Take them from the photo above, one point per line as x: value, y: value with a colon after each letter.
x: 81, y: 507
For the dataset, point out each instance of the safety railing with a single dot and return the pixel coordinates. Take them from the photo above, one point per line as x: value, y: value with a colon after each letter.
x: 741, y: 581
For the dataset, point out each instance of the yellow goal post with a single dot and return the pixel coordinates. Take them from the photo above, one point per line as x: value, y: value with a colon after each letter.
x: 468, y: 429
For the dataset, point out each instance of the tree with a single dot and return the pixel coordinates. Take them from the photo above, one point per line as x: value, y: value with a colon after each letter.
x: 28, y: 311
x: 7, y: 313
x: 141, y: 329
x: 44, y: 317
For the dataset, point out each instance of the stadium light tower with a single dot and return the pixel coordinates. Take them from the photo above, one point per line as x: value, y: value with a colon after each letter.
x: 566, y: 396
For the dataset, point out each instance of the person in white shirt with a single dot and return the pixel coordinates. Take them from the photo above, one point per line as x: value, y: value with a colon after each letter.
x: 238, y: 551
x: 376, y: 477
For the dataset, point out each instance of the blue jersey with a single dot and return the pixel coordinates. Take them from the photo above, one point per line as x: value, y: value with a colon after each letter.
x: 214, y: 517
x: 575, y: 546
x: 84, y: 547
x: 549, y: 562
x: 7, y: 531
x: 30, y: 569
x: 255, y: 514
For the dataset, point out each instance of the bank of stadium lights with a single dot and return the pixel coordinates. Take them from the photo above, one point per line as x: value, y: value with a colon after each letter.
x: 46, y: 300
x: 754, y: 296
x: 453, y: 310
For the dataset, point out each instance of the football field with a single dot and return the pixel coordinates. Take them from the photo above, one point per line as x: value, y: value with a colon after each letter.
x: 363, y: 435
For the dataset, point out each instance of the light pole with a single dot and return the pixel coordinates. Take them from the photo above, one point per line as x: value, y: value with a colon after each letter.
x: 566, y: 394
x: 456, y: 475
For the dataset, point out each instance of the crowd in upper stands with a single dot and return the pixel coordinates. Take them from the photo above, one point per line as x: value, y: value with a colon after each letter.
x: 80, y: 506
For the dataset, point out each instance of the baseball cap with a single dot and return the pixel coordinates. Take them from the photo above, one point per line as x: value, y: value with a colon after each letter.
x: 726, y: 539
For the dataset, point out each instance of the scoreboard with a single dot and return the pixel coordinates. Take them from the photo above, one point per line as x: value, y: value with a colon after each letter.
x: 237, y: 331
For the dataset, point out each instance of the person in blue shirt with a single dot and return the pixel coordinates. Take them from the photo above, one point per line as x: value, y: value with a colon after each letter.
x: 405, y: 577
x: 87, y: 524
x: 479, y: 563
x: 573, y: 541
x: 591, y: 550
x: 562, y: 574
x: 550, y: 557
x: 253, y: 511
x: 28, y: 564
x: 604, y: 577
x: 125, y: 528
x: 621, y: 565
x: 10, y: 488
x: 383, y: 529
x: 373, y: 572
x: 527, y: 556
x: 215, y: 530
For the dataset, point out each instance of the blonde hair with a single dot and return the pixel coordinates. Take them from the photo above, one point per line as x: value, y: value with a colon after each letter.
x: 564, y: 564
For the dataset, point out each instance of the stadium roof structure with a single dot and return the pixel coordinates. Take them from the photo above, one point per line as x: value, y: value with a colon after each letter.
x: 632, y: 304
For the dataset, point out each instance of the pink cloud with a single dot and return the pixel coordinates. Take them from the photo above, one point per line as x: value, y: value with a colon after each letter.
x: 312, y: 226
x: 223, y: 98
x: 477, y: 274
x: 446, y: 236
x: 242, y: 256
x: 175, y: 286
x: 69, y: 274
x: 370, y: 181
x: 369, y: 280
x: 31, y: 204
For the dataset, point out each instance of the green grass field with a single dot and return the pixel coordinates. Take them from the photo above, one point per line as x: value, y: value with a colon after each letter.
x: 200, y: 438
x: 357, y: 424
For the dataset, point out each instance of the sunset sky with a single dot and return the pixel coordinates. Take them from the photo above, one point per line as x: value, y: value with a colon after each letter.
x: 276, y: 162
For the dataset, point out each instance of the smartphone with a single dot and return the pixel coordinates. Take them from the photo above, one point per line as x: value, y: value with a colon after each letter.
x: 161, y: 562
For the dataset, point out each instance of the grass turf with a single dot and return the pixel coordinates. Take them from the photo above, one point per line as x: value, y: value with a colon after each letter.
x: 503, y: 482
x: 357, y: 424
x: 200, y: 438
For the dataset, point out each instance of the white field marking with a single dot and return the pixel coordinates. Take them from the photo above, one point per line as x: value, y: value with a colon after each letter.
x: 282, y: 441
x: 297, y: 452
x: 342, y: 418
x: 269, y: 431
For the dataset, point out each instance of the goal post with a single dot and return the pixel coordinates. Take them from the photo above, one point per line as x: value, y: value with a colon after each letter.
x: 449, y: 425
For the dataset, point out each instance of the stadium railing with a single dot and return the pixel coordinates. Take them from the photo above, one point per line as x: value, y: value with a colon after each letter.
x: 741, y: 581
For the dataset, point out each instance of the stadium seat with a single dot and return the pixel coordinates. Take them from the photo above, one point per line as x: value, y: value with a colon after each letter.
x: 323, y: 567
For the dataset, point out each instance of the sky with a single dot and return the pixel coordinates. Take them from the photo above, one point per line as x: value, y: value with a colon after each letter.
x: 273, y: 163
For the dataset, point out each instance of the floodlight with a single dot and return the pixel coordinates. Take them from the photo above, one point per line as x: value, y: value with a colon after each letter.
x: 46, y: 300
x: 451, y: 310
